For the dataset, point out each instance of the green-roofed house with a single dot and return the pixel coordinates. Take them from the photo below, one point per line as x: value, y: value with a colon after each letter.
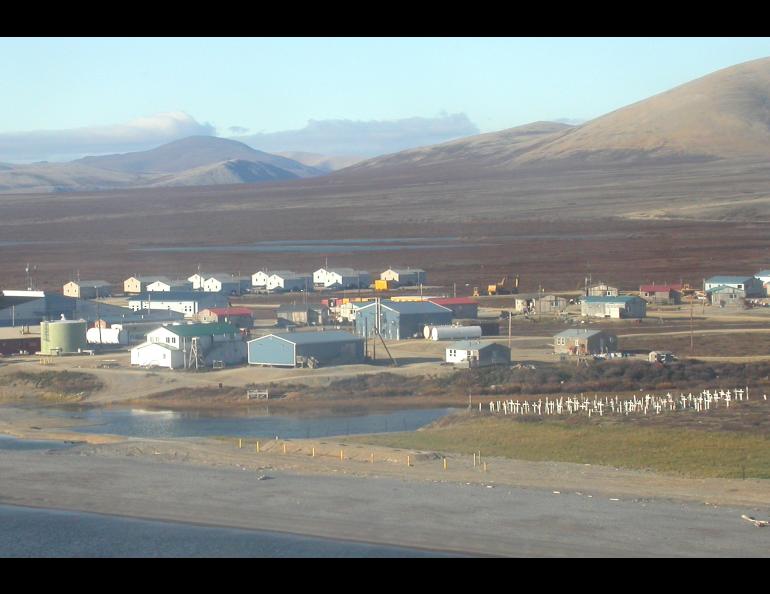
x: 183, y: 346
x: 620, y: 307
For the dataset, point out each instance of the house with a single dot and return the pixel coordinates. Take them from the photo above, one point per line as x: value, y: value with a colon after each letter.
x: 288, y: 281
x: 240, y: 317
x: 473, y: 353
x: 620, y: 307
x: 548, y: 305
x: 168, y: 286
x: 400, y: 320
x: 304, y: 314
x: 751, y: 285
x: 226, y: 284
x: 602, y: 290
x: 670, y: 294
x: 462, y: 307
x: 581, y: 341
x: 404, y: 277
x: 292, y: 349
x: 726, y: 296
x: 199, y: 278
x: 138, y: 284
x: 341, y: 278
x: 186, y: 346
x: 188, y: 303
x: 87, y: 289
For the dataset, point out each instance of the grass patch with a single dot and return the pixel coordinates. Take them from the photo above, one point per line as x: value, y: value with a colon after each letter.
x: 57, y: 385
x: 687, y: 452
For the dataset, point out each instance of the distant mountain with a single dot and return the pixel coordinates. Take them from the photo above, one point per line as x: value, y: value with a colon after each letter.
x: 722, y: 116
x: 192, y: 152
x: 193, y: 161
x: 325, y: 163
x: 235, y: 171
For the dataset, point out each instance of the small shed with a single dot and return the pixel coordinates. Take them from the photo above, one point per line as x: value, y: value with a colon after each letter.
x: 240, y: 317
x: 93, y: 289
x: 474, y: 353
x: 400, y: 320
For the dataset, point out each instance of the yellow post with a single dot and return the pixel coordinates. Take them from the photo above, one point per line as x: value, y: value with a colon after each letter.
x: 342, y: 455
x: 444, y: 463
x: 408, y: 461
x: 474, y: 459
x: 371, y: 457
x: 485, y: 466
x: 240, y: 443
x: 256, y: 447
x: 313, y: 453
x: 284, y: 448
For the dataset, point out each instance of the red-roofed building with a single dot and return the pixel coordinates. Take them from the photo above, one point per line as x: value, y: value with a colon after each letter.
x: 241, y: 317
x: 669, y: 294
x: 462, y: 307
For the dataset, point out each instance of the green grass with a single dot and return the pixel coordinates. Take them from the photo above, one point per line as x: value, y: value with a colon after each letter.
x: 688, y: 452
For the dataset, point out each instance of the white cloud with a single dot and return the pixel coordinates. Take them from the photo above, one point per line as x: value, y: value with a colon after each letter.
x: 139, y: 134
x: 364, y: 138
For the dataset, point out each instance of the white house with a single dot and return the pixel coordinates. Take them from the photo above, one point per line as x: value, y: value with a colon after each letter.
x: 751, y: 285
x: 167, y: 286
x: 405, y: 276
x: 342, y: 278
x: 475, y: 354
x: 190, y: 346
x: 138, y: 284
x: 226, y: 284
x: 290, y: 281
x: 199, y: 278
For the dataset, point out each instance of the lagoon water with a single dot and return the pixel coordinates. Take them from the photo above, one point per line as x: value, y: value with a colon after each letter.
x: 30, y: 532
x: 162, y: 424
x: 12, y: 443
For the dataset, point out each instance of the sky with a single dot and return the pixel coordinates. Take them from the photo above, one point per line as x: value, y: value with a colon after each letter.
x: 65, y: 97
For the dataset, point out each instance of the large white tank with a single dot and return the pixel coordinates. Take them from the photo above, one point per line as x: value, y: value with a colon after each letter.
x: 106, y: 336
x: 427, y: 331
x: 455, y: 332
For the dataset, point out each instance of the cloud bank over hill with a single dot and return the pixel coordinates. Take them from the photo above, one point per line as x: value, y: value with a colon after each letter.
x: 365, y: 138
x: 62, y: 145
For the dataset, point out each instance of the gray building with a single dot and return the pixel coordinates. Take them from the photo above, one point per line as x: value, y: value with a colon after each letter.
x: 292, y: 349
x: 87, y: 289
x: 725, y: 296
x: 303, y: 314
x: 751, y: 285
x: 473, y: 353
x: 621, y: 307
x: 602, y: 290
x: 581, y: 341
x: 400, y: 320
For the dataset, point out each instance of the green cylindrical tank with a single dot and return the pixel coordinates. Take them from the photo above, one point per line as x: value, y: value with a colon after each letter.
x: 63, y: 336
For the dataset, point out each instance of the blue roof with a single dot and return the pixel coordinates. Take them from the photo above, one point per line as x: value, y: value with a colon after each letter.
x: 607, y: 299
x: 726, y: 280
x: 411, y: 307
x: 314, y: 337
x: 176, y: 296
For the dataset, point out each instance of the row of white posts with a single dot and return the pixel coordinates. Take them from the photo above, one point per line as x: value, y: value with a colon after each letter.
x: 648, y: 404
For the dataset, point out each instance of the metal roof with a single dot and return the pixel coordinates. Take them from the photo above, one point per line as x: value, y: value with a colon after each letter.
x: 91, y: 283
x: 176, y: 296
x: 472, y: 345
x: 726, y: 280
x: 453, y: 301
x: 578, y: 333
x: 313, y: 337
x: 411, y: 307
x: 608, y: 299
x: 201, y: 329
x: 230, y: 311
x: 653, y: 288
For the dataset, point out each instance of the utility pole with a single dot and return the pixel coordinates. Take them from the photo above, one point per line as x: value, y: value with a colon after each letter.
x: 510, y: 318
x: 692, y: 338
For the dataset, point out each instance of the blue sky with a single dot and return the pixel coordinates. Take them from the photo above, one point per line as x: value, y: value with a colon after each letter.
x: 252, y: 86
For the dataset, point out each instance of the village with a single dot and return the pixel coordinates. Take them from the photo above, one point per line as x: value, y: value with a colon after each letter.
x: 336, y: 317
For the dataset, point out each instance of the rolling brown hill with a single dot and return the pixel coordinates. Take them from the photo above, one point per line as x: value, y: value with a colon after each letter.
x: 722, y: 116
